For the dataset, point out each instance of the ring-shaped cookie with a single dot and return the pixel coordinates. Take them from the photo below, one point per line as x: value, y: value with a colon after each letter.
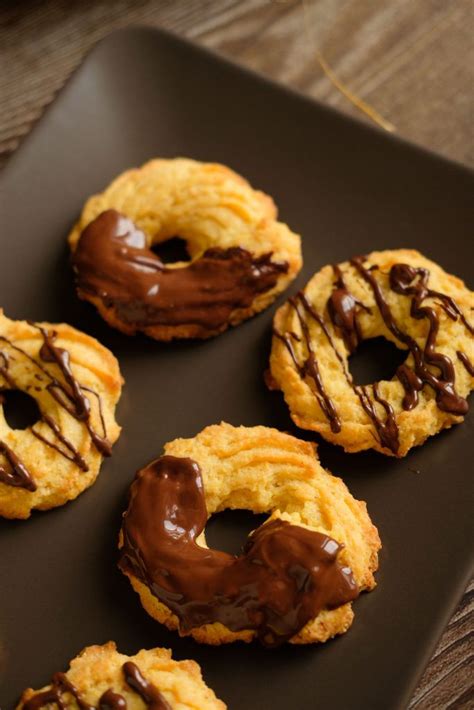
x: 241, y: 256
x: 408, y: 300
x: 299, y: 571
x: 101, y: 678
x: 76, y: 384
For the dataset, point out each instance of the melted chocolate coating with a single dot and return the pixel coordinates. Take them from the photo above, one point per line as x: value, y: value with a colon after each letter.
x: 109, y: 700
x: 114, y: 262
x: 283, y: 579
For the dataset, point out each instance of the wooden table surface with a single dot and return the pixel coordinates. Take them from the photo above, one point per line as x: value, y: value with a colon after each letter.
x: 411, y: 60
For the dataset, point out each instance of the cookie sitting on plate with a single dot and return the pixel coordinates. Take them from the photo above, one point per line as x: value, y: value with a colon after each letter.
x: 102, y: 678
x: 76, y: 384
x: 398, y: 295
x: 298, y: 573
x: 241, y: 256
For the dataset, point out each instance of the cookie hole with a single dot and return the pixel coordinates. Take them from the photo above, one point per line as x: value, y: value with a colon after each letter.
x: 171, y: 250
x: 228, y: 531
x: 374, y: 360
x: 19, y: 409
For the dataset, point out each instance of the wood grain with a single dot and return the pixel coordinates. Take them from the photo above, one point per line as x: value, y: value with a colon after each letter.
x: 412, y: 60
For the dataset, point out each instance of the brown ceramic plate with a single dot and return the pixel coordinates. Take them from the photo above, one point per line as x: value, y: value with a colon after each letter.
x: 348, y: 189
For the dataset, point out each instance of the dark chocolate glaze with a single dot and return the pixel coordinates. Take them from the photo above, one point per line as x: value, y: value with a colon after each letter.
x: 69, y: 394
x: 466, y: 362
x: 113, y: 261
x: 18, y: 476
x: 410, y: 281
x: 342, y: 309
x: 109, y: 700
x: 283, y: 579
x: 148, y: 693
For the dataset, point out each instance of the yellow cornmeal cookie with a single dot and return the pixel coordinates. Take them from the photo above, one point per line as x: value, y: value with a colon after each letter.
x: 76, y: 384
x: 403, y: 297
x: 263, y: 470
x: 98, y: 677
x: 241, y: 256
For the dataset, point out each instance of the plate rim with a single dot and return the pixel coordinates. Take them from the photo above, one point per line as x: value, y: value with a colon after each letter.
x: 164, y: 35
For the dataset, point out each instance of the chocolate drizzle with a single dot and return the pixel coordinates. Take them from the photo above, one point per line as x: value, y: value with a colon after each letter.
x: 18, y: 476
x: 309, y: 368
x: 285, y: 576
x: 148, y: 693
x: 387, y: 429
x: 114, y: 262
x: 109, y: 700
x: 59, y: 686
x: 4, y: 365
x: 76, y: 403
x: 342, y: 309
x: 466, y: 362
x: 410, y: 281
x: 112, y: 701
x: 71, y: 453
x: 412, y: 384
x: 69, y: 395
